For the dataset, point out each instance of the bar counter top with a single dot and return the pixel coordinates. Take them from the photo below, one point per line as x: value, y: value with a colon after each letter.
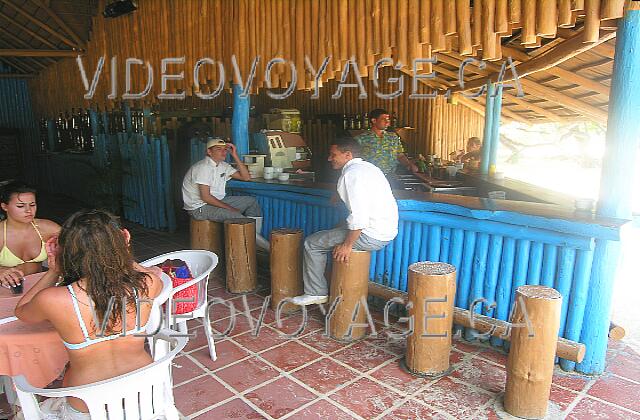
x: 541, y: 215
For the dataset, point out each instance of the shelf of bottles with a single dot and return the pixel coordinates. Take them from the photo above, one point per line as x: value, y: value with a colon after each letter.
x: 362, y: 121
x: 73, y: 130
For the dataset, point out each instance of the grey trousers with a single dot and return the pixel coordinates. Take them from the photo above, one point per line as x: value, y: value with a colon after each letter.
x: 316, y: 249
x: 248, y: 206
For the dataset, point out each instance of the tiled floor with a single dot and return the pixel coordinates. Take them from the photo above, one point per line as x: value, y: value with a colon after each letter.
x: 313, y: 377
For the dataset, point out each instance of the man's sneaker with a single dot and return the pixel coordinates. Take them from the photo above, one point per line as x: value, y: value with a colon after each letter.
x: 304, y: 300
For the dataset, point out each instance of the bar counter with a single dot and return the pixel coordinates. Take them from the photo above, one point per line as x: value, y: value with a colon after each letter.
x: 496, y: 245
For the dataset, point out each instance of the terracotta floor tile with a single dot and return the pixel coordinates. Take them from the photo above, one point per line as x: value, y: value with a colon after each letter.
x: 365, y: 398
x: 253, y: 302
x: 323, y: 343
x: 198, y: 394
x: 240, y: 325
x: 269, y: 316
x: 459, y: 400
x: 465, y: 347
x: 227, y: 352
x: 618, y: 391
x: 234, y: 409
x: 215, y: 282
x: 221, y: 292
x: 324, y: 375
x: 183, y: 369
x: 290, y: 356
x: 247, y: 374
x: 280, y: 397
x: 293, y: 323
x: 363, y: 356
x: 589, y: 409
x: 494, y: 355
x: 571, y: 381
x: 321, y: 410
x: 413, y: 410
x: 562, y: 397
x: 391, y: 345
x: 395, y: 376
x: 266, y: 338
x: 626, y: 364
x: 482, y: 374
x: 197, y: 340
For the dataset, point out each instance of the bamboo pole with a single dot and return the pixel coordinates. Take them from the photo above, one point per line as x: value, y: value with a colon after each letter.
x: 502, y: 17
x: 528, y: 21
x: 547, y: 18
x: 463, y: 16
x: 450, y: 17
x: 532, y: 354
x: 432, y: 289
x: 591, y: 20
x: 437, y: 26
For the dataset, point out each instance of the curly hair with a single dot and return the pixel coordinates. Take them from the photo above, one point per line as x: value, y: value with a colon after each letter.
x: 94, y: 248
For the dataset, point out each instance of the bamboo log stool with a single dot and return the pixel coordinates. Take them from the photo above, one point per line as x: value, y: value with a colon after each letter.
x: 432, y: 291
x: 209, y: 235
x: 531, y: 358
x: 350, y: 281
x: 286, y: 267
x: 240, y: 250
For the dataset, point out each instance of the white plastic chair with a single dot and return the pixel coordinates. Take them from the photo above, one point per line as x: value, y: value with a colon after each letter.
x: 144, y: 394
x: 201, y: 263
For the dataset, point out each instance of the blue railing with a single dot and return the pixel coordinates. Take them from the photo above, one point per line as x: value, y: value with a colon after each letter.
x: 494, y: 251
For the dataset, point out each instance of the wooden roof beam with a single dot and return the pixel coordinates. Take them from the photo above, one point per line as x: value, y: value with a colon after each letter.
x: 29, y: 31
x: 59, y: 21
x: 604, y: 50
x: 42, y: 25
x: 561, y: 53
x: 543, y: 92
x: 21, y: 42
x: 512, y: 97
x: 37, y: 53
x: 567, y: 75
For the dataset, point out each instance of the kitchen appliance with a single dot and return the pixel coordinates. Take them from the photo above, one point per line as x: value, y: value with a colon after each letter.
x: 283, y: 119
x: 409, y: 182
x: 282, y: 149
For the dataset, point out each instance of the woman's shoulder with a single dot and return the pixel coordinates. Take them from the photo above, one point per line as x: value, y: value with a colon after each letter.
x: 153, y: 275
x: 48, y: 228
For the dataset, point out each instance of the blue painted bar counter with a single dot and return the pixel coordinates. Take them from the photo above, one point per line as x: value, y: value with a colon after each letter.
x: 496, y: 245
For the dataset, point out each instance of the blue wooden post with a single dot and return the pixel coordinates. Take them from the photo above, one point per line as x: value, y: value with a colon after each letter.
x: 240, y: 121
x: 488, y: 131
x: 495, y: 127
x: 51, y: 135
x: 127, y: 118
x: 623, y: 126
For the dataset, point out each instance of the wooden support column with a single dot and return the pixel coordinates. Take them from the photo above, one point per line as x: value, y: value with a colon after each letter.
x: 286, y: 267
x: 209, y: 235
x: 349, y: 282
x: 533, y: 350
x: 488, y: 131
x: 495, y: 129
x: 432, y: 291
x: 620, y: 158
x: 240, y: 249
x: 240, y: 121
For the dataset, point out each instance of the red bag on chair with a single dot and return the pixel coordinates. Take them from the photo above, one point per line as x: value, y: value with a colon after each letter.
x: 180, y: 274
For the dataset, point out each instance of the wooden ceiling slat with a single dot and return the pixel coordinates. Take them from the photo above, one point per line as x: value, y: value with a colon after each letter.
x: 39, y: 23
x: 29, y: 31
x: 21, y: 43
x: 59, y: 21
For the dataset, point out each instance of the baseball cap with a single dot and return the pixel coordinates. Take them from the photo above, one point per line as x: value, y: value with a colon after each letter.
x: 215, y: 141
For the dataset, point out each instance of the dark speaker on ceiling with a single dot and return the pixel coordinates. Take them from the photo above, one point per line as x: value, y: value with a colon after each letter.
x: 119, y: 8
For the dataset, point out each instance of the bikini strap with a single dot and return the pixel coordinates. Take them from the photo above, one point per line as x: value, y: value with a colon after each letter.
x: 76, y: 308
x: 36, y: 228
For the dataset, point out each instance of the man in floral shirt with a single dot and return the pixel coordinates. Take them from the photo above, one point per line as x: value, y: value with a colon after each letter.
x: 381, y: 147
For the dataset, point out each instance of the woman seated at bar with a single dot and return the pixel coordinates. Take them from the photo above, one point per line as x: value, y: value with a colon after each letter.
x: 22, y: 245
x: 92, y: 269
x: 474, y: 147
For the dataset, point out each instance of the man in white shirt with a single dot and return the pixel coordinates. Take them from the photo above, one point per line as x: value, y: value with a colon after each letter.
x: 204, y: 189
x: 372, y: 222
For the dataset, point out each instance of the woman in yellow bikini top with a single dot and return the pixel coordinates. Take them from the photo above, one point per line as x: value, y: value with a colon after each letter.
x: 22, y: 249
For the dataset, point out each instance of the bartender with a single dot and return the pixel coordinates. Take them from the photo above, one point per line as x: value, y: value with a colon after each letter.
x: 474, y: 147
x: 381, y: 147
